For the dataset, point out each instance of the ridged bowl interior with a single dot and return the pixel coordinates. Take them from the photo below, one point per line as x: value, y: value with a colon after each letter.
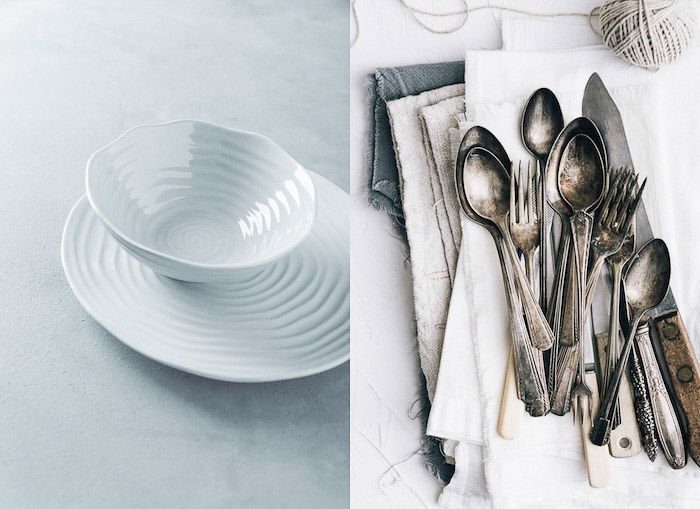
x: 194, y: 193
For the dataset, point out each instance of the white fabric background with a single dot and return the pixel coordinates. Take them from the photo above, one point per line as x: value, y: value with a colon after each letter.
x: 84, y: 420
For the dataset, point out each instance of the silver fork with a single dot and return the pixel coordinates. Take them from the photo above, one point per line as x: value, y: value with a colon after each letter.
x: 525, y: 230
x: 612, y: 222
x: 615, y: 262
x: 524, y: 218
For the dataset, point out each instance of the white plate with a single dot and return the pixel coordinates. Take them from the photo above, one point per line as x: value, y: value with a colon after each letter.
x: 289, y: 320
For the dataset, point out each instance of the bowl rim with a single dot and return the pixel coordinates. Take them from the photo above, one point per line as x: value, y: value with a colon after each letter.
x: 184, y: 261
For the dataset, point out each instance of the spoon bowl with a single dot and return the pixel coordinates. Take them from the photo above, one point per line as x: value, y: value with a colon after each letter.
x: 542, y: 122
x: 580, y: 125
x: 488, y: 187
x: 581, y: 174
x: 647, y: 277
x: 477, y: 137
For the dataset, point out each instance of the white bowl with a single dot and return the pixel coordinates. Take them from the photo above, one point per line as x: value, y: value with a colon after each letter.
x: 200, y: 202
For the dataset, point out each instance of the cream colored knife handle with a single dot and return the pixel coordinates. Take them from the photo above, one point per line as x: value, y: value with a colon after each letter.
x: 512, y: 409
x: 597, y: 456
x: 667, y: 426
x: 625, y: 439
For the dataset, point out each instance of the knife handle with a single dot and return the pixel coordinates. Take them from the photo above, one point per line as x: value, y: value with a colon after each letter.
x: 625, y: 439
x: 597, y: 456
x: 667, y: 425
x: 685, y: 374
x: 512, y: 409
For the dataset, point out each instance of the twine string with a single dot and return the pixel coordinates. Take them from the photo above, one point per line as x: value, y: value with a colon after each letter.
x: 466, y: 10
x: 647, y: 33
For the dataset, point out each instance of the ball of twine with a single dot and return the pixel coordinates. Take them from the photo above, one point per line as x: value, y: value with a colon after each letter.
x: 647, y: 33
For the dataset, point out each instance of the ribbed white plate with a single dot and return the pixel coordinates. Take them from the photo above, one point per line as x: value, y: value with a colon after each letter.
x: 289, y: 320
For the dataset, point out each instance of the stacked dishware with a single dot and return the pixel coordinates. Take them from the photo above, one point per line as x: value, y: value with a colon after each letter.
x: 213, y: 251
x: 594, y: 327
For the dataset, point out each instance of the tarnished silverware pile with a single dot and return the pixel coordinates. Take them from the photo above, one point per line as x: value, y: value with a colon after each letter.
x: 595, y: 328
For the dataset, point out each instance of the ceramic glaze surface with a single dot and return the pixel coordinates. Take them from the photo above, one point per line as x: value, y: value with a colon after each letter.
x: 288, y: 319
x: 199, y: 202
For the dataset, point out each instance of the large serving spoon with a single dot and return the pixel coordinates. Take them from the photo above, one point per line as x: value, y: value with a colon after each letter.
x: 581, y: 182
x: 531, y: 385
x: 561, y: 371
x: 541, y: 124
x: 645, y: 284
x: 487, y: 188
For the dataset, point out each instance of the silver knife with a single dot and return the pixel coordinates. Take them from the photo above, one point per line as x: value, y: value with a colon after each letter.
x: 665, y: 320
x: 625, y: 439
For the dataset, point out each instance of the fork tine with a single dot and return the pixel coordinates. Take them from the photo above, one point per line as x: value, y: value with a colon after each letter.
x: 513, y: 219
x: 621, y: 194
x: 612, y: 189
x: 633, y: 207
x: 623, y: 207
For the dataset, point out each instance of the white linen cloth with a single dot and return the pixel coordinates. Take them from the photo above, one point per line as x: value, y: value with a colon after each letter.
x: 432, y: 283
x: 661, y: 118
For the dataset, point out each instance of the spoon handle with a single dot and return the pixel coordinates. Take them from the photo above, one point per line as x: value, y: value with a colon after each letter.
x: 541, y: 334
x: 669, y: 429
x: 567, y: 332
x: 581, y: 227
x: 542, y: 210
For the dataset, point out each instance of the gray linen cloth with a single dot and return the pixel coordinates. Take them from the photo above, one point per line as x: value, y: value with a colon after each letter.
x: 385, y: 85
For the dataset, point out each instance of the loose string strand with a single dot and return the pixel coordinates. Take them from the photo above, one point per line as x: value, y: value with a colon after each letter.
x: 646, y: 33
x: 467, y: 10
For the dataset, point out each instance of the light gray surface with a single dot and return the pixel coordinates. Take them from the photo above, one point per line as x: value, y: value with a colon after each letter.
x: 85, y: 421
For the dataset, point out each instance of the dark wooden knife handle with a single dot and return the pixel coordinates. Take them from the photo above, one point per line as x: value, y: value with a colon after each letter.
x: 685, y: 374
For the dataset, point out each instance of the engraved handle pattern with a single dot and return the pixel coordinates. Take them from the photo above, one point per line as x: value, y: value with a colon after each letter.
x: 670, y: 435
x: 642, y: 406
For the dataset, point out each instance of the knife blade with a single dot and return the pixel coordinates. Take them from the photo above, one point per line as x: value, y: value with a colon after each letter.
x: 682, y: 367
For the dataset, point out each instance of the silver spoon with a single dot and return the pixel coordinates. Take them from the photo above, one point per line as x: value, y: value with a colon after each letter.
x: 581, y: 184
x: 528, y: 361
x: 542, y: 122
x: 487, y: 189
x: 577, y: 126
x: 645, y: 285
x: 560, y: 371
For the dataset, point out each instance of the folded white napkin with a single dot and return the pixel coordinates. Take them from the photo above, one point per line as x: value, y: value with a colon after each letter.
x: 432, y: 283
x: 661, y: 118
